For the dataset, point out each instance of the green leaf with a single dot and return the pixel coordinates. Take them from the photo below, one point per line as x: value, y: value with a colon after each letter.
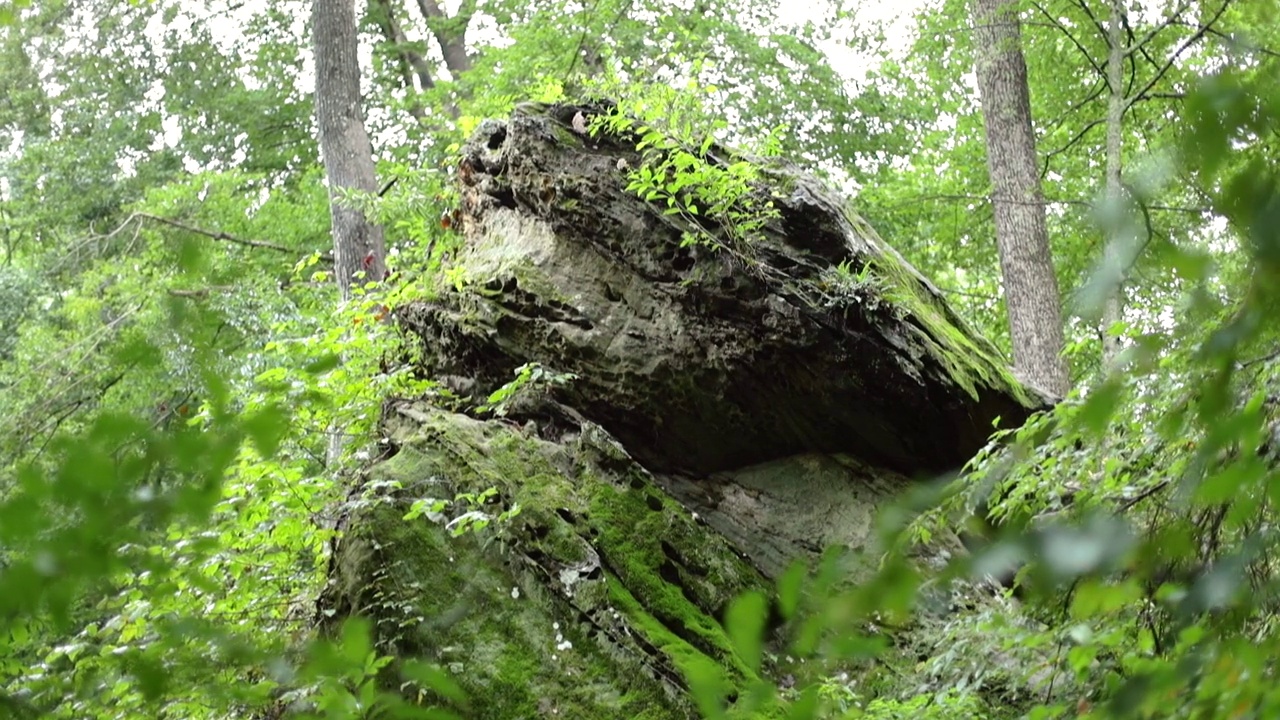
x: 266, y: 428
x: 806, y: 706
x: 1100, y: 405
x: 324, y: 364
x: 745, y: 622
x: 435, y: 679
x: 707, y: 686
x: 790, y: 584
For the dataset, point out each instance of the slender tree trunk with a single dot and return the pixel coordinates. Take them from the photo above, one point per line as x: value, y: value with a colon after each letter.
x: 1031, y: 288
x: 453, y: 40
x: 409, y: 61
x: 359, y: 251
x: 1113, y: 306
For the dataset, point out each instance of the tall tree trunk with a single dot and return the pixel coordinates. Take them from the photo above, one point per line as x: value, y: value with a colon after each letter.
x: 1113, y: 306
x: 1026, y: 264
x: 451, y: 33
x: 359, y: 250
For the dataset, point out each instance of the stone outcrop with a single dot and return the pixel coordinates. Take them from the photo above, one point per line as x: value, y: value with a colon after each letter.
x: 690, y: 418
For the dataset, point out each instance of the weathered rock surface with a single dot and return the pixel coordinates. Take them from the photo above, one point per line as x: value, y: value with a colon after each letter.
x: 731, y: 410
x: 702, y: 361
x: 590, y: 603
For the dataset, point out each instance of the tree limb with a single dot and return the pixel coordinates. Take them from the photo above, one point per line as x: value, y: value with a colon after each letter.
x: 1128, y: 56
x: 1160, y: 95
x: 200, y: 292
x: 1173, y: 57
x: 452, y: 46
x: 1173, y: 17
x: 410, y: 61
x: 1245, y: 44
x: 1094, y: 94
x: 1133, y: 42
x: 1045, y: 201
x: 582, y: 37
x: 1084, y: 5
x: 1056, y: 23
x: 1070, y: 143
x: 221, y: 236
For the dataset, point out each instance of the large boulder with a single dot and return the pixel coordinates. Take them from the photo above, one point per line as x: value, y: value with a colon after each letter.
x: 701, y: 415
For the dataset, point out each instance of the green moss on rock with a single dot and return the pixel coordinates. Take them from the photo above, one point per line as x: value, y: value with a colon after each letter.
x: 589, y: 603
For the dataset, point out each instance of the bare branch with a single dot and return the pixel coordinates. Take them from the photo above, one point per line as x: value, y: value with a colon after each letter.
x: 200, y: 292
x: 223, y: 237
x: 1159, y: 96
x: 1173, y: 17
x: 452, y: 45
x: 1133, y: 63
x: 1094, y: 94
x: 960, y: 197
x: 1070, y: 143
x: 407, y: 56
x: 1173, y: 57
x: 582, y: 37
x: 1084, y: 5
x: 1128, y: 504
x: 1247, y: 45
x: 1263, y: 359
x: 963, y: 293
x: 1142, y: 50
x: 465, y: 12
x: 1056, y: 23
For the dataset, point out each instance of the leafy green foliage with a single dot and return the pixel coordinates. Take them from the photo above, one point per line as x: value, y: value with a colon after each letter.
x: 473, y: 516
x: 530, y: 379
x: 173, y: 366
x: 944, y: 706
x: 684, y: 171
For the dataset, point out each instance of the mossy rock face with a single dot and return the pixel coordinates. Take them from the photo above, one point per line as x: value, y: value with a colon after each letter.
x: 590, y: 603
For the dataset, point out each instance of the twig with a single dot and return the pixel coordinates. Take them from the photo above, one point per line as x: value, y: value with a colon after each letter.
x: 1247, y: 46
x: 1057, y: 24
x: 1045, y: 201
x: 1265, y: 358
x: 582, y: 38
x: 1126, y: 505
x: 216, y: 235
x: 1177, y: 52
x: 1077, y: 138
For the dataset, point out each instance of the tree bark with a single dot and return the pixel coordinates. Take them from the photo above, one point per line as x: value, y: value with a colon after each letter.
x: 1026, y: 264
x: 453, y: 42
x: 1113, y: 306
x: 359, y: 251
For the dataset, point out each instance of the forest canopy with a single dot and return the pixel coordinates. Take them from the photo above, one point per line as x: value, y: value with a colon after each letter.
x: 213, y: 215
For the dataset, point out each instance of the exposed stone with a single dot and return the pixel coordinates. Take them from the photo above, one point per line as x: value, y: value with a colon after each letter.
x: 703, y: 415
